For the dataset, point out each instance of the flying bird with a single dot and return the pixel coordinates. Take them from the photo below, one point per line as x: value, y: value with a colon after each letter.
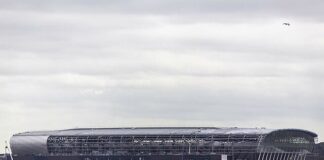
x: 286, y: 24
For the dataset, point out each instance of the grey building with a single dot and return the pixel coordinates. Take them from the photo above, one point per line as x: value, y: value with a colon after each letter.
x: 321, y: 150
x: 181, y: 143
x: 5, y: 157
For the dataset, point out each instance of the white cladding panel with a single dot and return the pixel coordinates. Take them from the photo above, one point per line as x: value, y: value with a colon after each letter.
x: 224, y: 157
x: 27, y: 145
x: 151, y: 131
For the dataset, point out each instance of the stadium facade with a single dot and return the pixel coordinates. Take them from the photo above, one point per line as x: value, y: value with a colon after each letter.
x: 166, y: 144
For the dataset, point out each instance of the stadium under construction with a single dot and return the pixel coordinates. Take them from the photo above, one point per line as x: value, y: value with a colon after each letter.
x: 207, y: 143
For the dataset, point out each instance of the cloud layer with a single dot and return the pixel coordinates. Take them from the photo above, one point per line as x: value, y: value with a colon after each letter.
x: 68, y: 64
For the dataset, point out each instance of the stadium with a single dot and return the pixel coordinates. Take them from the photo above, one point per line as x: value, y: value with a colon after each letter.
x: 189, y: 143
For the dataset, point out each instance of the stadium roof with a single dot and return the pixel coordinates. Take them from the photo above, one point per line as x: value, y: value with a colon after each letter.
x: 160, y: 131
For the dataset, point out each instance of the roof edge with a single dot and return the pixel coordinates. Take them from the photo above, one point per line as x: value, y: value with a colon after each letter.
x: 313, y: 134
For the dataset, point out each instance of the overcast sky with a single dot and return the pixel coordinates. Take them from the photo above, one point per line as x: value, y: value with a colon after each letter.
x: 99, y: 63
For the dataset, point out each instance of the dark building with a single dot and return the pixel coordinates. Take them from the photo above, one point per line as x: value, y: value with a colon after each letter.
x: 166, y: 144
x: 5, y: 157
x: 321, y: 150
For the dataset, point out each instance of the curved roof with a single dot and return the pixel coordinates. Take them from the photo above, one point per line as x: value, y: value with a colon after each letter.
x: 160, y: 131
x: 299, y: 130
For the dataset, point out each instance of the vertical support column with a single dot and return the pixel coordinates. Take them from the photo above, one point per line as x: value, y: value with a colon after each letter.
x: 302, y: 157
x: 284, y: 156
x: 270, y: 156
x: 259, y: 155
x: 212, y: 147
x: 295, y: 156
x: 291, y: 157
x: 288, y: 156
x: 267, y: 154
x: 276, y: 156
x: 281, y: 155
x: 263, y: 156
x: 299, y: 156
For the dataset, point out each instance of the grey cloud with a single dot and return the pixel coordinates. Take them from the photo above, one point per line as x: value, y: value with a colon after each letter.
x: 267, y: 8
x: 62, y: 34
x: 152, y: 63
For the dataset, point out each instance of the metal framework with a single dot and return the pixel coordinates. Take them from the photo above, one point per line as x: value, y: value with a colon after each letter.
x: 153, y: 144
x: 168, y: 143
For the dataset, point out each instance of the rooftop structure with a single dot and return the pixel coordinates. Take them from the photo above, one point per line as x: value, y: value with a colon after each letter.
x: 165, y: 143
